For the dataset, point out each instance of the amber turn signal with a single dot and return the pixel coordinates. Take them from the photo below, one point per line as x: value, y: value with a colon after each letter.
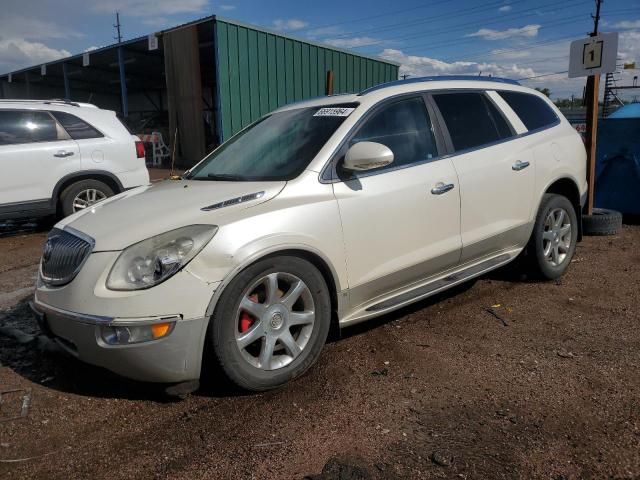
x: 159, y: 330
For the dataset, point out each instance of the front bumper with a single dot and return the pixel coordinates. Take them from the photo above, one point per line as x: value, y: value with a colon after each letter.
x: 174, y: 358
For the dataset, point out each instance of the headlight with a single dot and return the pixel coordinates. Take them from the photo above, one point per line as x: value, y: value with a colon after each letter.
x: 125, y: 335
x: 155, y: 259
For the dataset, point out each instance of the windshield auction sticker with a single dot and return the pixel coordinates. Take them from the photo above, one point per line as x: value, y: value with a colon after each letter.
x: 334, y: 112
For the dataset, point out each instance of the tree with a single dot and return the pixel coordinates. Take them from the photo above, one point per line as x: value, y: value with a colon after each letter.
x: 568, y: 102
x: 544, y: 91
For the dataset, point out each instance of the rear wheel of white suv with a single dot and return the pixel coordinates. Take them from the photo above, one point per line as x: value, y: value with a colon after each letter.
x: 554, y: 237
x: 271, y: 322
x: 83, y: 194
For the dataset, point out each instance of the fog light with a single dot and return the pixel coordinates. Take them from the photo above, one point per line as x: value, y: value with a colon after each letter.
x: 125, y: 335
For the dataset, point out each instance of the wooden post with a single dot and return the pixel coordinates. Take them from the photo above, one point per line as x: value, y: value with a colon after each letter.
x: 329, y: 82
x: 593, y: 89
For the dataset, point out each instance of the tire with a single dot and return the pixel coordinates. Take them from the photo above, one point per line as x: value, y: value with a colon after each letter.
x: 602, y: 222
x: 246, y: 362
x: 69, y: 195
x: 551, y: 247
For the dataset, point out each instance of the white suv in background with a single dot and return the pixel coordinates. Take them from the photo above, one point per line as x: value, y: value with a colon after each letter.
x: 337, y: 209
x: 59, y: 157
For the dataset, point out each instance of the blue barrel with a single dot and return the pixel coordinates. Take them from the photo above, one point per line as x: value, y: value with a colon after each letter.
x: 618, y: 164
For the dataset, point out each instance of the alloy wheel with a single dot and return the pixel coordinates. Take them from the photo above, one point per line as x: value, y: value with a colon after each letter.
x: 86, y: 198
x: 556, y: 237
x: 274, y: 320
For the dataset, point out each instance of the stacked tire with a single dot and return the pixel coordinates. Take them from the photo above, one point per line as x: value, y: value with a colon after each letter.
x: 602, y: 222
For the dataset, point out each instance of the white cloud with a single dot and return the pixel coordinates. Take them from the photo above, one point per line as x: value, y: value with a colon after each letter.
x: 290, y: 24
x: 528, y: 31
x: 141, y: 8
x: 226, y: 8
x: 505, y: 8
x: 352, y: 42
x: 325, y: 32
x: 156, y: 22
x: 627, y: 24
x: 509, y: 64
x: 629, y: 46
x: 417, y: 66
x: 19, y: 26
x: 18, y: 53
x: 506, y: 54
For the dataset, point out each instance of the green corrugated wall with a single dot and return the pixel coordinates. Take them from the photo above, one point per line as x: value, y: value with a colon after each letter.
x: 260, y: 71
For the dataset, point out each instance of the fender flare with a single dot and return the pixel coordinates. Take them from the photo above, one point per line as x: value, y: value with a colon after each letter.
x: 83, y: 175
x: 270, y: 251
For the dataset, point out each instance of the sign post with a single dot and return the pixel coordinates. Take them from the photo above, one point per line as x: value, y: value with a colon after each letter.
x: 590, y: 57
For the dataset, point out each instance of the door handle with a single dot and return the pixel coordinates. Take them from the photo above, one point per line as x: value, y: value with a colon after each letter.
x: 519, y: 165
x: 441, y: 188
x: 62, y: 154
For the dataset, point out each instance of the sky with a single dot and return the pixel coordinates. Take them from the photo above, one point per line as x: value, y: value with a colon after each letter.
x: 519, y: 39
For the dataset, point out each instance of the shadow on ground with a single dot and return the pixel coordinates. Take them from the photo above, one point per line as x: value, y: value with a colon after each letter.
x: 33, y: 356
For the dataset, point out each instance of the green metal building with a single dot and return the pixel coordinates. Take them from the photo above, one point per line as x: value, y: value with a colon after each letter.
x: 207, y: 79
x: 259, y: 71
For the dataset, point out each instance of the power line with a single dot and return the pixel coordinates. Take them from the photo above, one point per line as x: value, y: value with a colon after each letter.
x: 471, y: 56
x: 465, y: 26
x: 543, y: 75
x: 371, y: 17
x: 430, y: 19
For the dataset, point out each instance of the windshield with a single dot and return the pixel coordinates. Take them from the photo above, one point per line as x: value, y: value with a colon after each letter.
x: 277, y: 147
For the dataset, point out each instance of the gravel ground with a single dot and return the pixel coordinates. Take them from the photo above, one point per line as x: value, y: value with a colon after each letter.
x: 504, y: 378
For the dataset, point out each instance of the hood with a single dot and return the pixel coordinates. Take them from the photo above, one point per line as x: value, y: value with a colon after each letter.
x: 144, y: 212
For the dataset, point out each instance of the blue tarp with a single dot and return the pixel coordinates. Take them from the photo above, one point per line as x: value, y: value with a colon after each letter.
x: 628, y: 111
x: 618, y: 162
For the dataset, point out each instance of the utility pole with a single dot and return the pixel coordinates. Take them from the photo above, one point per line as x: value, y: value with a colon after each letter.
x: 405, y: 76
x: 591, y: 98
x: 116, y: 25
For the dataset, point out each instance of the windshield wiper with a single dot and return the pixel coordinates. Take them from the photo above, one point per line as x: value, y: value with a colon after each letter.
x: 225, y: 177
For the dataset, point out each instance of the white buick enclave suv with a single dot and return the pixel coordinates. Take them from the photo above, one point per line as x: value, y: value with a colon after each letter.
x: 58, y: 157
x: 337, y: 209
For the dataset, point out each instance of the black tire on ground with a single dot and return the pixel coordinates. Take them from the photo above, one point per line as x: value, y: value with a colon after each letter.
x: 538, y: 263
x: 224, y: 324
x: 70, y: 193
x: 602, y: 222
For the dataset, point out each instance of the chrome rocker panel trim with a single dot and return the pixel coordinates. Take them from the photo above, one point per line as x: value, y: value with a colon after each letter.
x: 414, y: 293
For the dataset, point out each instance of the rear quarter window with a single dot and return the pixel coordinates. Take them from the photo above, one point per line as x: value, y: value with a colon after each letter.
x: 533, y: 111
x: 77, y: 128
x: 471, y: 119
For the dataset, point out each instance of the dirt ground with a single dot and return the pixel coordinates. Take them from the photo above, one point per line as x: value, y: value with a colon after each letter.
x: 505, y: 378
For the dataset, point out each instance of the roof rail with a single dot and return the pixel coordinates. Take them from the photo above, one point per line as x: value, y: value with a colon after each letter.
x: 53, y: 101
x: 439, y: 78
x: 64, y: 102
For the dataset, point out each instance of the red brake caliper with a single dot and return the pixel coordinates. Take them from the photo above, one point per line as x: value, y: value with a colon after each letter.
x: 245, y: 322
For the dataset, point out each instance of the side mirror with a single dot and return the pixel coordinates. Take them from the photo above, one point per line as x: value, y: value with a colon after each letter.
x: 367, y: 156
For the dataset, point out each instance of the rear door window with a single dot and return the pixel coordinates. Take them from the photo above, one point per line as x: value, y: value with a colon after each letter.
x: 471, y: 119
x: 77, y: 128
x: 403, y: 126
x: 24, y: 126
x: 533, y: 111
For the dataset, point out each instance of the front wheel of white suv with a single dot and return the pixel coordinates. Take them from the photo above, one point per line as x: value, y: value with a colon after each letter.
x: 271, y: 322
x: 83, y: 194
x: 554, y: 237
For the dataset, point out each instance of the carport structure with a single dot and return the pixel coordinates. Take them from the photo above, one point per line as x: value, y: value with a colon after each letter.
x: 203, y: 81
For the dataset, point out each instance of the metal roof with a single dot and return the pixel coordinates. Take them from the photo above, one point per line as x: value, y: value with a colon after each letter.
x: 303, y: 40
x: 209, y: 18
x: 440, y: 78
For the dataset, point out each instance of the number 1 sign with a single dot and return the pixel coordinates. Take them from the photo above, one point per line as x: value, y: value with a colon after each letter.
x: 593, y: 55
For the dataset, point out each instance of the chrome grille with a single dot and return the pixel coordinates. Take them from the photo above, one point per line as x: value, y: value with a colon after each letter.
x: 63, y: 255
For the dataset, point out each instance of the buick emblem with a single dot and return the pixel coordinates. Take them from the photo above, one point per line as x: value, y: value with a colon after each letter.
x: 47, y: 251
